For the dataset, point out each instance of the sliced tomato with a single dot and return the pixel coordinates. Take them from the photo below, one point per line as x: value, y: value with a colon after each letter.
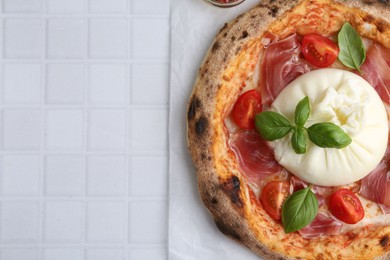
x: 273, y: 196
x: 346, y: 206
x: 246, y: 107
x: 319, y: 50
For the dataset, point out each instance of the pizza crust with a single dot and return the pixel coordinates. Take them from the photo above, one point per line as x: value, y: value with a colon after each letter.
x: 230, y: 60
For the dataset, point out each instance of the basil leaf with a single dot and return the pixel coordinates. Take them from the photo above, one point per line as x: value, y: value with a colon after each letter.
x: 302, y: 111
x: 272, y: 125
x: 352, y: 52
x: 299, y: 210
x: 328, y: 135
x: 299, y: 141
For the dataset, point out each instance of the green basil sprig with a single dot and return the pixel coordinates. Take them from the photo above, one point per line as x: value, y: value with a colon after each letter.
x: 272, y: 126
x: 299, y: 210
x: 302, y: 111
x: 352, y: 52
x: 328, y: 135
x: 299, y: 141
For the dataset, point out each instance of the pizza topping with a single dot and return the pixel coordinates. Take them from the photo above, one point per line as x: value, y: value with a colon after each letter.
x: 321, y: 192
x: 346, y: 206
x: 344, y: 111
x: 323, y: 224
x: 272, y: 126
x: 376, y: 185
x: 319, y: 50
x: 245, y: 109
x: 281, y: 64
x: 273, y: 196
x: 299, y: 210
x: 376, y: 70
x: 352, y: 51
x: 344, y: 99
x: 255, y: 157
x: 385, y: 209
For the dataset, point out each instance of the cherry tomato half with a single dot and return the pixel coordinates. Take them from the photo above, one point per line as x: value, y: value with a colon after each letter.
x: 245, y: 109
x: 346, y: 206
x: 319, y: 50
x: 273, y: 196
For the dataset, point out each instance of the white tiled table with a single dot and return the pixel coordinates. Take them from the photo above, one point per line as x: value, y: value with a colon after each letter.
x: 83, y: 126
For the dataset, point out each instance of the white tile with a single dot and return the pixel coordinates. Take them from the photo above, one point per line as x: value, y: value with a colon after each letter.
x: 22, y: 6
x: 108, y: 84
x: 148, y: 222
x: 21, y: 129
x: 106, y: 175
x: 107, y: 129
x: 19, y: 254
x: 150, y: 38
x: 150, y: 7
x: 107, y: 6
x: 105, y: 254
x: 146, y: 168
x: 22, y: 83
x: 64, y: 175
x: 65, y: 83
x: 154, y: 253
x: 108, y: 38
x: 23, y: 38
x: 19, y: 222
x: 63, y: 222
x: 63, y: 254
x: 66, y: 38
x: 64, y: 130
x: 65, y: 7
x: 150, y: 84
x: 149, y: 130
x: 20, y: 175
x: 105, y: 222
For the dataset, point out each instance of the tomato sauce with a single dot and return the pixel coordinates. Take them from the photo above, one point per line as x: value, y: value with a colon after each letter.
x: 226, y: 3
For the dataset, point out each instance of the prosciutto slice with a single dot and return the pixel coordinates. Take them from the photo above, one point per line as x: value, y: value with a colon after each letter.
x: 281, y: 64
x: 255, y: 157
x: 376, y: 70
x: 385, y: 209
x: 323, y: 224
x: 321, y: 192
x: 376, y: 185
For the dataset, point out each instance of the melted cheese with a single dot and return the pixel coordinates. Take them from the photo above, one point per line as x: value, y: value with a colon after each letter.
x: 373, y: 215
x: 343, y: 98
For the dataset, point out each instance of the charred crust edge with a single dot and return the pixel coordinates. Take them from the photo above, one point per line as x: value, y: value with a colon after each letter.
x: 201, y: 125
x: 232, y: 188
x: 193, y: 107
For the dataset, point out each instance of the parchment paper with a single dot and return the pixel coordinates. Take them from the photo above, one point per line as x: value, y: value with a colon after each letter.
x: 192, y: 232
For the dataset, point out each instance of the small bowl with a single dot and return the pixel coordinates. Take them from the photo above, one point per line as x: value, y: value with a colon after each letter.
x: 230, y: 4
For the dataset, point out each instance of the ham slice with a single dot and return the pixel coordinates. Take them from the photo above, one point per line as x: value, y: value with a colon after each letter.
x: 281, y: 64
x: 376, y: 70
x: 376, y: 185
x: 297, y: 183
x: 323, y: 224
x: 321, y: 192
x: 254, y: 156
x: 385, y: 209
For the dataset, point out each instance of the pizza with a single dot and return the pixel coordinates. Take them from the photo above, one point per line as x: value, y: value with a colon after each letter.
x: 288, y: 128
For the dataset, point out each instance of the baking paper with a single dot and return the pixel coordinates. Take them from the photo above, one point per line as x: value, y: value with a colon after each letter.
x: 192, y: 232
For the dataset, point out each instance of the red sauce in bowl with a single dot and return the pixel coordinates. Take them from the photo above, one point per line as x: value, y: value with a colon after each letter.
x: 226, y: 3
